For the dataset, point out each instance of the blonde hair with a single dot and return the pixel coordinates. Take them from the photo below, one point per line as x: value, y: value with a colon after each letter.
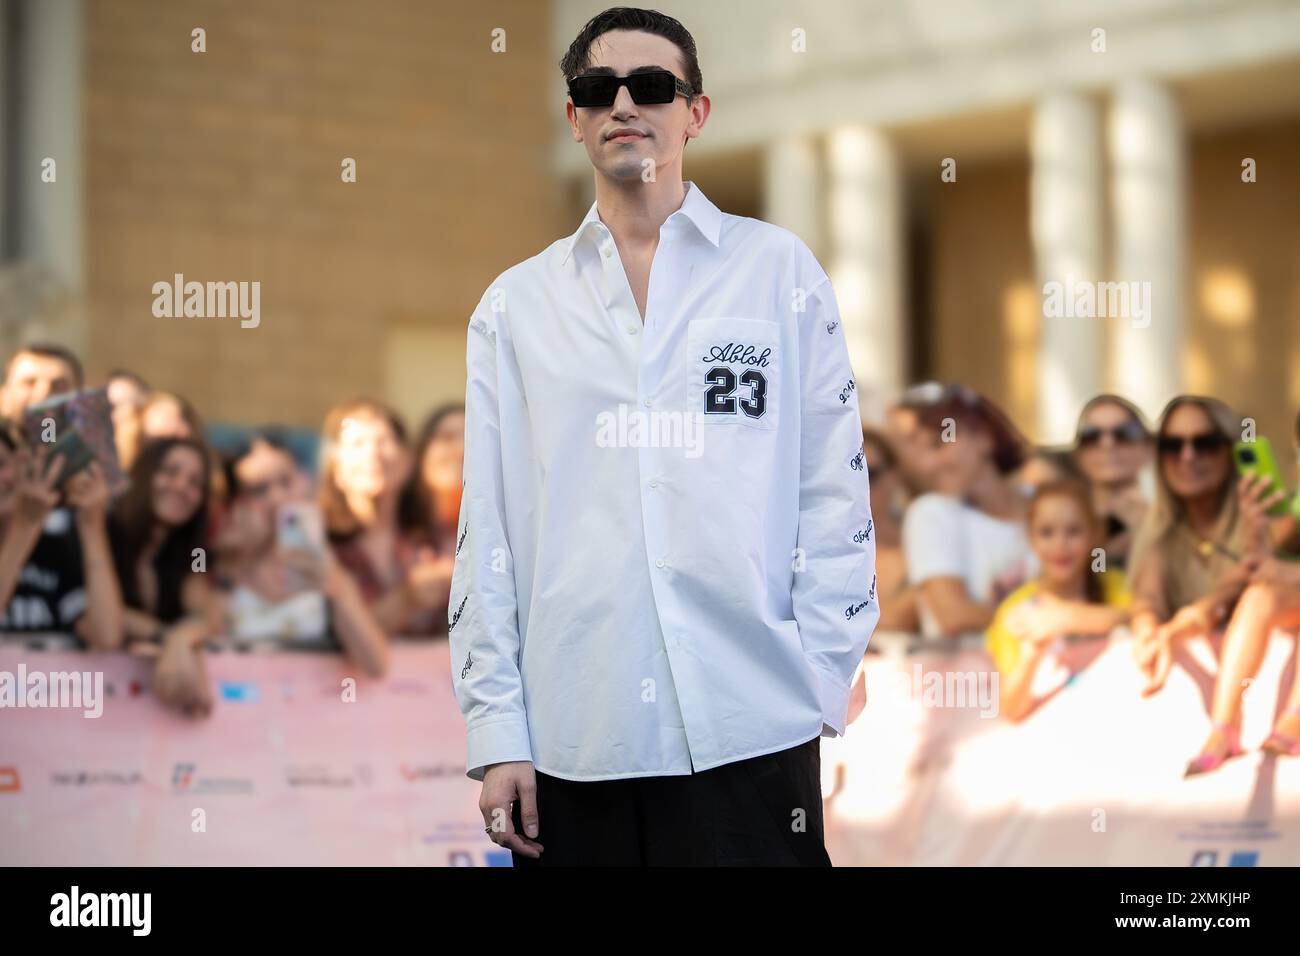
x: 1186, y: 572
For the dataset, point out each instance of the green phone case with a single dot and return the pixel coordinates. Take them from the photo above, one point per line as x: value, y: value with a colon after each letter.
x: 1256, y: 458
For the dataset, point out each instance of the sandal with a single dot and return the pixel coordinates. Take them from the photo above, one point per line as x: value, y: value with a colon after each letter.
x: 1206, y: 762
x: 1283, y: 745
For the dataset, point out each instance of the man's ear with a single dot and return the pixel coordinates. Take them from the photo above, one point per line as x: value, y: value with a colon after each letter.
x: 571, y: 114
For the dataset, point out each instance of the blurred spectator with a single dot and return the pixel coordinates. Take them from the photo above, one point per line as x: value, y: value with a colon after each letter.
x: 34, y: 373
x: 365, y: 465
x: 433, y: 502
x: 287, y: 589
x: 1193, y: 554
x: 1067, y: 598
x: 897, y: 600
x: 1046, y: 466
x: 964, y: 541
x: 1271, y: 600
x: 431, y: 508
x: 1112, y: 445
x: 911, y: 445
x: 164, y: 415
x: 127, y: 393
x: 159, y: 539
x: 56, y: 567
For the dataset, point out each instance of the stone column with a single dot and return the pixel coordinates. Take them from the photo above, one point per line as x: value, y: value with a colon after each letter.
x: 1067, y: 209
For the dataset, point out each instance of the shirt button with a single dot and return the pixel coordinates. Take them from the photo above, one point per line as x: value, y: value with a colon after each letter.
x: 608, y: 250
x: 654, y: 483
x: 631, y: 330
x: 648, y: 403
x: 659, y: 563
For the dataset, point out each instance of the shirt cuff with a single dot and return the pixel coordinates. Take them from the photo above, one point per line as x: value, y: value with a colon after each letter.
x: 834, y: 698
x: 497, y: 740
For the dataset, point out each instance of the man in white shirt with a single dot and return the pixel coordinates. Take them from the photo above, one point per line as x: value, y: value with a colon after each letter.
x: 664, y: 575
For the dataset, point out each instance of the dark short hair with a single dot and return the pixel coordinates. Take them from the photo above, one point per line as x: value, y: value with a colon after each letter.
x: 578, y: 57
x: 49, y: 350
x: 965, y: 405
x: 276, y: 436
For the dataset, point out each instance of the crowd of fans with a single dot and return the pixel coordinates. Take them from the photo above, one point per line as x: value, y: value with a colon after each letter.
x: 1045, y: 552
x: 199, y: 547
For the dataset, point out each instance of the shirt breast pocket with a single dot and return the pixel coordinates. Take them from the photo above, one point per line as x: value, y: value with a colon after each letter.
x: 733, y: 374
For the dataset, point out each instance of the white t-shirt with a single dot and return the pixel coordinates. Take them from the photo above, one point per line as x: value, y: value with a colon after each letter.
x: 946, y: 538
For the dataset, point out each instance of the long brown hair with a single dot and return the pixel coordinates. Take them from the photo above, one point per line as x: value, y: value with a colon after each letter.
x: 1077, y: 492
x: 133, y: 520
x: 416, y: 512
x: 340, y: 523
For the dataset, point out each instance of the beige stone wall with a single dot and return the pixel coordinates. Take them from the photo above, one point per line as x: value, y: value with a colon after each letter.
x: 984, y: 314
x: 226, y: 166
x: 1243, y: 332
x: 1244, y: 274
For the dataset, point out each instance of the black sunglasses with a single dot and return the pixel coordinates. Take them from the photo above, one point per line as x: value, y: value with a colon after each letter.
x: 1130, y: 433
x: 653, y: 87
x: 1204, y: 444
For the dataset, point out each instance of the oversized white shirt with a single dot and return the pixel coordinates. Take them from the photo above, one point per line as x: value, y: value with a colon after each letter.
x: 665, y: 559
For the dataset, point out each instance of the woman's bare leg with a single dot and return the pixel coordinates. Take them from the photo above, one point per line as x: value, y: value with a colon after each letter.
x: 1244, y: 644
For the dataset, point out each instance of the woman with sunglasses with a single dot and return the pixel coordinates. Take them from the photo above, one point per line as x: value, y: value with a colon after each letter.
x: 1198, y: 547
x: 1270, y: 601
x: 1111, y: 447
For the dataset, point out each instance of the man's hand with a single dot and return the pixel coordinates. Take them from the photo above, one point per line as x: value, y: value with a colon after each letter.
x: 503, y: 783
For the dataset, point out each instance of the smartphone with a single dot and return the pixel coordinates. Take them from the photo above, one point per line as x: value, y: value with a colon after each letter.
x: 81, y: 425
x: 298, y: 527
x: 1256, y: 458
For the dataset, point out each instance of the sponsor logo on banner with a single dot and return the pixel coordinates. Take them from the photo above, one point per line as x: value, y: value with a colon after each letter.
x: 1244, y: 858
x: 9, y: 780
x: 90, y: 778
x: 185, y: 779
x: 245, y: 691
x: 320, y: 776
x: 1205, y: 858
x: 414, y: 772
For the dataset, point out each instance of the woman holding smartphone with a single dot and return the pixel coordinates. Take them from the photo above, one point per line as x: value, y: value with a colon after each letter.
x: 1198, y: 547
x: 282, y: 581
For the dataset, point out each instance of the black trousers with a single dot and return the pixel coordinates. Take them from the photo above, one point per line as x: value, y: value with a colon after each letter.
x: 764, y: 811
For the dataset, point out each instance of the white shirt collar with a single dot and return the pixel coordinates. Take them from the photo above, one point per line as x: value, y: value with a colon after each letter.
x: 696, y: 208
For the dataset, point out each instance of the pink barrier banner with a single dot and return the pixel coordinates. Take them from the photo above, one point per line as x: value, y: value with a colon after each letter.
x: 1093, y: 778
x: 285, y: 771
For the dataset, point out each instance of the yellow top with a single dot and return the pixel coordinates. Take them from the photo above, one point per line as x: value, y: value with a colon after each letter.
x: 1004, y: 646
